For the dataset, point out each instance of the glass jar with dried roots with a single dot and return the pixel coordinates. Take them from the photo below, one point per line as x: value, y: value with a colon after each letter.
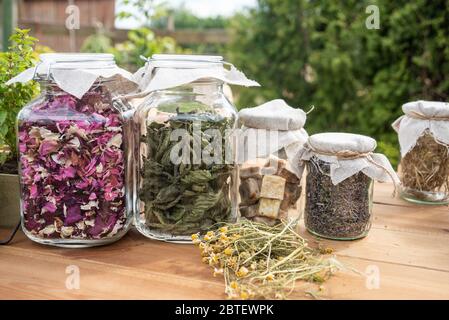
x: 425, y: 172
x: 424, y: 139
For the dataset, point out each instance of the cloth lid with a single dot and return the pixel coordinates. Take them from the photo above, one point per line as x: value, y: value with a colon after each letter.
x: 333, y: 142
x: 273, y: 115
x: 347, y: 155
x: 429, y: 109
x: 75, y: 73
x: 420, y: 117
x: 165, y: 71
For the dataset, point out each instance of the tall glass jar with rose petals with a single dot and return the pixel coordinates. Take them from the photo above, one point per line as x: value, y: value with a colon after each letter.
x: 75, y: 182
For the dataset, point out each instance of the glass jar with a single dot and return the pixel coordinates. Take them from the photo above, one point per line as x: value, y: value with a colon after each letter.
x: 74, y: 165
x: 424, y: 143
x: 186, y: 176
x: 425, y: 172
x: 269, y: 190
x: 270, y: 175
x: 339, y: 212
x: 341, y: 168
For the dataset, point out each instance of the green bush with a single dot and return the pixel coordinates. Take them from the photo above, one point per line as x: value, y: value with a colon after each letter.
x: 20, y: 57
x: 321, y: 53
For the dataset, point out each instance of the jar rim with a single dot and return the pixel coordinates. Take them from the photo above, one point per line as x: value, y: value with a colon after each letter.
x: 71, y: 57
x: 185, y: 61
x: 48, y: 62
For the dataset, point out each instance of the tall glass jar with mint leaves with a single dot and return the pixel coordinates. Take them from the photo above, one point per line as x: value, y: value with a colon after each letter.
x: 186, y: 176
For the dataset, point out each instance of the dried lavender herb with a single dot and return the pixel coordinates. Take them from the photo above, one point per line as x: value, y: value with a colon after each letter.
x: 341, y: 211
x: 425, y: 170
x: 181, y: 199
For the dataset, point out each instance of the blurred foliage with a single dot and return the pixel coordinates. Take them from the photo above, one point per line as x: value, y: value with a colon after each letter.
x: 186, y: 19
x: 321, y: 53
x: 145, y: 10
x: 19, y: 57
x: 97, y: 43
x: 141, y: 42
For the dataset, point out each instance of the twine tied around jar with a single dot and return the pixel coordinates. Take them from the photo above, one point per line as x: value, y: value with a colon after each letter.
x: 420, y: 116
x: 352, y: 155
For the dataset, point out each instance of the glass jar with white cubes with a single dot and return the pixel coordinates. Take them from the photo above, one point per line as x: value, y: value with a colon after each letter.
x: 270, y: 137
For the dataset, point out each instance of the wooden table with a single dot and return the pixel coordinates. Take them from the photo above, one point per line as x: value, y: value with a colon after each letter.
x: 405, y: 256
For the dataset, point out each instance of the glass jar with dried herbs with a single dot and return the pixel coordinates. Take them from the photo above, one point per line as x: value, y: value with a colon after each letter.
x: 341, y: 168
x: 73, y: 142
x: 270, y: 138
x: 423, y: 133
x: 186, y: 175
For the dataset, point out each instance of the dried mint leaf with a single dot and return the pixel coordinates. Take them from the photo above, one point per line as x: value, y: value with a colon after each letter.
x: 186, y: 198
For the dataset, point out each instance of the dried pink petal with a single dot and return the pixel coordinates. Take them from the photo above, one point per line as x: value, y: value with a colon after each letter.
x: 33, y: 191
x: 72, y: 164
x: 47, y: 147
x: 49, y: 207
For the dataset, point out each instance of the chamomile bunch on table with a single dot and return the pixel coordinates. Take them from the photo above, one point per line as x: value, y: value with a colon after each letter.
x: 262, y: 262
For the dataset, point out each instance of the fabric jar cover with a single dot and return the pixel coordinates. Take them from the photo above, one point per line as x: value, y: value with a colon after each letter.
x: 272, y: 120
x: 418, y: 117
x: 75, y: 73
x: 164, y: 71
x: 349, y: 154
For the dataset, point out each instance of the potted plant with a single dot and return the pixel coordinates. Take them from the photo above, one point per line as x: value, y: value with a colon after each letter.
x: 18, y: 58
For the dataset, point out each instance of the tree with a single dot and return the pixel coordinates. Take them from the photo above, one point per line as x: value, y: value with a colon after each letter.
x: 321, y: 53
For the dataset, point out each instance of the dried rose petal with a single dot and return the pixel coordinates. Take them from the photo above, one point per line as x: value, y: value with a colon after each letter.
x: 73, y: 167
x: 47, y: 147
x: 49, y: 207
x: 33, y: 191
x: 73, y: 215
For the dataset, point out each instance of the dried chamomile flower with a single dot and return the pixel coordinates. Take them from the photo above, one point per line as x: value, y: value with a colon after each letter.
x: 223, y: 229
x: 234, y: 285
x: 243, y: 271
x: 262, y: 262
x: 228, y: 251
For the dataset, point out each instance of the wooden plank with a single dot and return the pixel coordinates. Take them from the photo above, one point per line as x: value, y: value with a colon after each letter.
x: 185, y: 36
x: 383, y: 194
x: 411, y: 249
x: 47, y: 279
x: 54, y: 12
x: 154, y: 270
x: 395, y: 282
x: 415, y: 220
x: 407, y: 246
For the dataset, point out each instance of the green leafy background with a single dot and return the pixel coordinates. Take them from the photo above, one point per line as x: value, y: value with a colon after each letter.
x: 18, y: 58
x: 321, y: 53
